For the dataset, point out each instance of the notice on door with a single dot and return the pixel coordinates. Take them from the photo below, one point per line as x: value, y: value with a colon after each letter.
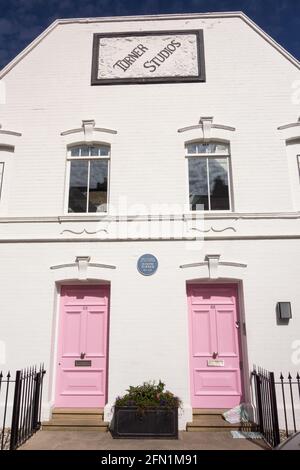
x: 148, y: 57
x: 215, y: 363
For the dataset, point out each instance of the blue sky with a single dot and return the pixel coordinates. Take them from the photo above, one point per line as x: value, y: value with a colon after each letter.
x: 22, y: 20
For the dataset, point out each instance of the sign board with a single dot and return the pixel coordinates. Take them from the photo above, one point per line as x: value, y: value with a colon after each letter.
x: 147, y: 265
x: 148, y: 57
x: 83, y: 363
x: 215, y: 363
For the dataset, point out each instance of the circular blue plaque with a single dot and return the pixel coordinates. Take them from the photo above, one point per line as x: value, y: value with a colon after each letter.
x: 147, y: 265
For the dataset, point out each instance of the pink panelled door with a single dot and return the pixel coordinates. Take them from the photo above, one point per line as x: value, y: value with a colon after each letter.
x: 214, y: 346
x: 82, y: 346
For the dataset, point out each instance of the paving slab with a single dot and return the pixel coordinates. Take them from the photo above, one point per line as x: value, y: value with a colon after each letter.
x: 95, y: 440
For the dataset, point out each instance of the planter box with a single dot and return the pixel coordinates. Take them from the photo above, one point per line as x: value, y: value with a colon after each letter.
x: 154, y: 423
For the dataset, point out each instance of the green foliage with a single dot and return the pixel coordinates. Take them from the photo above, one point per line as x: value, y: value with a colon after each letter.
x: 149, y: 394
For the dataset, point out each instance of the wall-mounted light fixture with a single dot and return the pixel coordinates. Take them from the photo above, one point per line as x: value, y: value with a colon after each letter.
x: 284, y: 310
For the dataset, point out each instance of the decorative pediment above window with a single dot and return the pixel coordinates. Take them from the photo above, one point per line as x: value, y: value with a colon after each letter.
x: 8, y: 138
x: 206, y: 130
x: 290, y: 131
x: 88, y: 133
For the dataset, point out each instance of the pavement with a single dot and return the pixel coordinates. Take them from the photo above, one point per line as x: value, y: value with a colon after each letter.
x: 95, y: 440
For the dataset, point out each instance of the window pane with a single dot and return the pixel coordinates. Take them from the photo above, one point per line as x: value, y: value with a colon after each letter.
x: 98, y: 185
x: 94, y: 151
x: 192, y: 148
x: 218, y: 183
x: 198, y: 187
x: 84, y: 151
x: 104, y: 151
x: 222, y: 148
x: 75, y: 152
x: 78, y: 186
x: 212, y: 147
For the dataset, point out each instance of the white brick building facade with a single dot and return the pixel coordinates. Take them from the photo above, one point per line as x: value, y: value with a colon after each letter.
x: 248, y: 101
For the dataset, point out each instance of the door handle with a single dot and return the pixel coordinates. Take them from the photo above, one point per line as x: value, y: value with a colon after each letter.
x: 82, y: 355
x: 237, y: 324
x: 215, y: 355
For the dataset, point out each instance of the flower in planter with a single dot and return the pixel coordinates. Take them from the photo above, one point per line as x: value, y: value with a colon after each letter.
x: 149, y: 394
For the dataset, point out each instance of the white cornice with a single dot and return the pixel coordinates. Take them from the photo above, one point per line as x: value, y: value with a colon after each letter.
x: 290, y: 236
x: 149, y: 217
x: 122, y: 19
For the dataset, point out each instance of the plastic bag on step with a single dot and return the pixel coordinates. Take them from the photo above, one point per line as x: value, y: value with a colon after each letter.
x: 236, y: 415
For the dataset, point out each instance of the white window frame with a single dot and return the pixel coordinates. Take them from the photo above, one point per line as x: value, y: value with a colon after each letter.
x: 207, y: 156
x: 2, y: 166
x: 71, y: 158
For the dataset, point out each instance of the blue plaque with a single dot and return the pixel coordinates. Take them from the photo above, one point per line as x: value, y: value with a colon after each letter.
x: 147, y: 265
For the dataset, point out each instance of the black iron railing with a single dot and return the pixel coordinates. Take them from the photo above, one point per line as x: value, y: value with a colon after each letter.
x: 20, y: 406
x: 289, y: 391
x: 277, y: 405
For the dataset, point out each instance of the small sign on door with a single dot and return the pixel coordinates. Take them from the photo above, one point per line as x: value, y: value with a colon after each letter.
x: 83, y: 363
x: 215, y: 362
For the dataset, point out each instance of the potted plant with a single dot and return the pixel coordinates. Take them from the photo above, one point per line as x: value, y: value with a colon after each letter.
x: 146, y: 411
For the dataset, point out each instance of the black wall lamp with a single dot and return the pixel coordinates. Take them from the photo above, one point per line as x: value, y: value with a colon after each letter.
x: 284, y: 310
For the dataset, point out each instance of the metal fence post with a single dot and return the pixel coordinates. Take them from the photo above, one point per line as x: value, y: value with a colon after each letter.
x: 36, y: 402
x: 275, y: 422
x: 259, y: 402
x: 16, y: 412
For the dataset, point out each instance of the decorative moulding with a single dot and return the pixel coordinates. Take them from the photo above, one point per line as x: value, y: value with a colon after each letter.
x: 290, y: 131
x: 82, y: 263
x: 88, y: 128
x: 8, y: 137
x: 88, y: 133
x: 213, y: 262
x: 206, y: 130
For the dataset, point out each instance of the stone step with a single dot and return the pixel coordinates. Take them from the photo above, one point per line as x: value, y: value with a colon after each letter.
x: 191, y: 427
x: 208, y: 411
x: 71, y: 419
x: 75, y: 424
x: 212, y: 421
x: 78, y: 418
x: 48, y: 426
x: 75, y: 411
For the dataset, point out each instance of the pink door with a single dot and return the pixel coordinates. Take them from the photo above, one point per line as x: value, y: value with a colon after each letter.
x: 82, y: 347
x: 214, y: 346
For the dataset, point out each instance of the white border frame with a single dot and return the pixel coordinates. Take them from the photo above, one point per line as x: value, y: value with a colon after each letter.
x: 69, y: 159
x: 2, y: 166
x: 209, y: 155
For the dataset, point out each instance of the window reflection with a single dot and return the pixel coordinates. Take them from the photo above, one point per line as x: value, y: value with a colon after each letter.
x: 198, y: 184
x: 88, y: 179
x: 78, y: 186
x: 208, y: 177
x: 218, y: 184
x: 98, y: 186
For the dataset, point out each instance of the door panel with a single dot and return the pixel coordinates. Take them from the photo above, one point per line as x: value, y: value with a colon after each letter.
x: 214, y: 346
x: 82, y: 347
